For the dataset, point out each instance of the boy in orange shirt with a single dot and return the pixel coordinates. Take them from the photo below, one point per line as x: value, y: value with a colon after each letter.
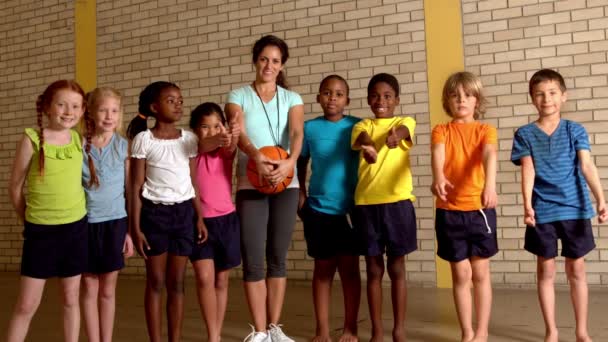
x: 465, y: 217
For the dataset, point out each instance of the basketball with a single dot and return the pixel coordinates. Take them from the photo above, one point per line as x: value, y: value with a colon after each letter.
x: 274, y: 153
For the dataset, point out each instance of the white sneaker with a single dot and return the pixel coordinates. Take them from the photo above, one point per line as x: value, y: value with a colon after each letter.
x: 276, y: 333
x: 257, y: 336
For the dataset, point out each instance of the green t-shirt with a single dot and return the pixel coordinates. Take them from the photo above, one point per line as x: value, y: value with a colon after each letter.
x: 57, y: 197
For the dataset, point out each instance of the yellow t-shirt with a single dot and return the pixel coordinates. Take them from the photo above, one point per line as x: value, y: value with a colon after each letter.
x: 388, y: 180
x: 463, y: 166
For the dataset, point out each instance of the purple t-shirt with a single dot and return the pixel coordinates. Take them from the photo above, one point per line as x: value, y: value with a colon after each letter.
x: 214, y: 179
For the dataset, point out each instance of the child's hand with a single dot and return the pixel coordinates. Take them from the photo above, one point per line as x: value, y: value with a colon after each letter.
x: 141, y: 244
x: 529, y: 219
x: 489, y: 199
x: 369, y: 153
x: 441, y: 187
x: 602, y: 214
x: 301, y: 201
x: 127, y: 249
x: 202, y: 230
x: 393, y: 138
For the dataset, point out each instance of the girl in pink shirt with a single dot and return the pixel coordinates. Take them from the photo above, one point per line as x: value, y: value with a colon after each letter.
x: 213, y: 259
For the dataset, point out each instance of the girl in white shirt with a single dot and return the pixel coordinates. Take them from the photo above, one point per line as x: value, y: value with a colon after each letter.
x: 164, y: 215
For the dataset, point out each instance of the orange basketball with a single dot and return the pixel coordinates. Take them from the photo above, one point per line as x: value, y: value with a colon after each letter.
x: 271, y: 152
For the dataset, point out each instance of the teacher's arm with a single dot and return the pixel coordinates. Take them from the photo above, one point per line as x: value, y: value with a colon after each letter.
x: 296, y: 135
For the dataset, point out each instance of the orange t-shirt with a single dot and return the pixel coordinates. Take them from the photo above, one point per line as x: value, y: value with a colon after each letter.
x: 463, y: 165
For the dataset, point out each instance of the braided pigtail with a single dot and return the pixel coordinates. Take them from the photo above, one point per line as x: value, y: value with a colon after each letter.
x: 89, y: 128
x: 39, y: 110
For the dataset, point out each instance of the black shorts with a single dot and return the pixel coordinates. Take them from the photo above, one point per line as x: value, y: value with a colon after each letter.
x: 387, y: 227
x: 223, y: 243
x: 328, y: 235
x: 463, y: 234
x: 576, y: 236
x: 54, y: 250
x: 106, y: 243
x: 168, y: 228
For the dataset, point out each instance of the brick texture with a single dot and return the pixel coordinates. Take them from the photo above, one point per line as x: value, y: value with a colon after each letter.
x: 204, y: 46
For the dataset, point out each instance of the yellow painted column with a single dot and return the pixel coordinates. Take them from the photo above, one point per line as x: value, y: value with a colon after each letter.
x: 444, y: 56
x: 85, y: 41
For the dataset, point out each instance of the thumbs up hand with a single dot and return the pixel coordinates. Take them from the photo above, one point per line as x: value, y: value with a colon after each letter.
x: 393, y: 138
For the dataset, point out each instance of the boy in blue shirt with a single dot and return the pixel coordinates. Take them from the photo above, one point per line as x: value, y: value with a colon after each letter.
x: 556, y: 168
x: 331, y: 240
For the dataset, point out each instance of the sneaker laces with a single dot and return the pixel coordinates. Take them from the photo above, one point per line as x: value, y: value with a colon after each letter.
x: 252, y: 334
x: 275, y: 329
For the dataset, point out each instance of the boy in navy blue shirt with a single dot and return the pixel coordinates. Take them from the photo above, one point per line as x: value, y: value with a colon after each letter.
x: 556, y: 168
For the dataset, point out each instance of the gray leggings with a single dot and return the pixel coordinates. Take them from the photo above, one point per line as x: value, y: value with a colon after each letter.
x: 267, y: 223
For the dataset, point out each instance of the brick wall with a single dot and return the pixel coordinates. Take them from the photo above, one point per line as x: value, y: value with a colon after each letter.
x: 36, y: 48
x: 204, y: 46
x: 505, y: 42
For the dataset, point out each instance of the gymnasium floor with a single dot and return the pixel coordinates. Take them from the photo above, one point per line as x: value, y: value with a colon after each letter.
x: 431, y: 316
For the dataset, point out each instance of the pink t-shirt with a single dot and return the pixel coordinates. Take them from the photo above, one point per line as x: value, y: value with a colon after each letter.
x: 214, y: 179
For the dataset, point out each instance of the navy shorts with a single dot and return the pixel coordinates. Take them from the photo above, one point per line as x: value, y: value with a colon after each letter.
x: 168, y: 228
x: 54, y: 250
x: 576, y: 236
x: 463, y: 234
x: 328, y: 235
x: 223, y: 243
x: 106, y: 243
x: 387, y: 227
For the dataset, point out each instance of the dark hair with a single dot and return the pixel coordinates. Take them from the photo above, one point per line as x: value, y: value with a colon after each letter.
x: 543, y: 75
x: 334, y: 77
x: 471, y: 85
x: 263, y: 42
x: 93, y: 99
x: 386, y: 78
x: 203, y: 110
x: 42, y: 105
x: 147, y: 97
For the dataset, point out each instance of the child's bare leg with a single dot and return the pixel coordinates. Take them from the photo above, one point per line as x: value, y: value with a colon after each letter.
x: 482, y: 285
x: 396, y: 271
x: 323, y: 275
x: 156, y: 267
x: 70, y: 291
x: 222, y: 279
x: 90, y: 310
x: 30, y: 294
x: 546, y: 295
x: 107, y: 304
x: 577, y: 277
x: 461, y: 289
x: 375, y: 272
x: 348, y: 267
x: 207, y: 299
x: 176, y: 271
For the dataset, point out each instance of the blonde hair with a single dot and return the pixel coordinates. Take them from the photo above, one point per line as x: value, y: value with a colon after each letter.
x: 94, y: 99
x: 471, y: 84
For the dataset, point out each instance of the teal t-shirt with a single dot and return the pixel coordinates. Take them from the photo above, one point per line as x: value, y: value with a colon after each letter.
x: 261, y: 125
x: 334, y: 164
x: 57, y: 197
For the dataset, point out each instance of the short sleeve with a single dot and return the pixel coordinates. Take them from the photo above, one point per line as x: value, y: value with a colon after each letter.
x: 294, y: 99
x: 139, y: 146
x: 236, y: 96
x: 490, y: 136
x: 32, y: 134
x: 580, y: 137
x: 438, y: 135
x: 360, y: 127
x: 191, y: 144
x: 520, y: 149
x: 123, y: 147
x: 410, y: 124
